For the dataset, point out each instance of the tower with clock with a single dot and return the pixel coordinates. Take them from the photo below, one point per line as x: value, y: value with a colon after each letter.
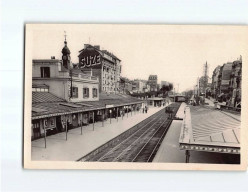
x: 66, y: 58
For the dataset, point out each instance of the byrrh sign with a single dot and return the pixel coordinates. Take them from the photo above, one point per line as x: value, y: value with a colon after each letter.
x: 89, y: 57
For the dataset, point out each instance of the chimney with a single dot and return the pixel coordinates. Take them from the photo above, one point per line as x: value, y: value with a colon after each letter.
x: 97, y: 47
x: 86, y: 45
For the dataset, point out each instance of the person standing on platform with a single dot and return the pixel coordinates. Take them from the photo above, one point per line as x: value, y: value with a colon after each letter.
x: 145, y: 109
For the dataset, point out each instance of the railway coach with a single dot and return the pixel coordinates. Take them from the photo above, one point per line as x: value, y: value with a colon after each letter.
x: 180, y: 98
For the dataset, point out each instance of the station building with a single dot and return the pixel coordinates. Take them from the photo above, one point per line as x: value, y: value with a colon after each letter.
x: 64, y: 97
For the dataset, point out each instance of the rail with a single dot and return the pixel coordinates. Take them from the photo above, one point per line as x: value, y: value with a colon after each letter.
x: 152, y: 154
x: 116, y: 139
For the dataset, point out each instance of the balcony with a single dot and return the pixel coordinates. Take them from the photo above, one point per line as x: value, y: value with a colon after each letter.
x: 79, y: 76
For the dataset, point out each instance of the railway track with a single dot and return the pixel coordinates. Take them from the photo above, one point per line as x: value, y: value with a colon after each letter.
x: 138, y: 144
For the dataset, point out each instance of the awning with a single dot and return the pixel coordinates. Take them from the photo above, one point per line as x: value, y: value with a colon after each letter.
x: 210, y: 131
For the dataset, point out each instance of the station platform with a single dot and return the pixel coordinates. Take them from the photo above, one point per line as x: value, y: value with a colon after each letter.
x: 170, y: 152
x: 77, y: 145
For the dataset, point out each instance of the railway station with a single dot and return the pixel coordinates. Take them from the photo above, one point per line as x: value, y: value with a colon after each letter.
x: 85, y: 112
x: 51, y: 114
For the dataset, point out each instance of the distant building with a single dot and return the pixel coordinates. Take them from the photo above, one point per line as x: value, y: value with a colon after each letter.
x: 204, y: 85
x: 153, y: 81
x: 126, y: 86
x: 140, y: 85
x: 226, y: 83
x: 102, y: 64
x: 214, y: 86
x: 147, y: 88
x: 235, y: 84
x: 225, y: 77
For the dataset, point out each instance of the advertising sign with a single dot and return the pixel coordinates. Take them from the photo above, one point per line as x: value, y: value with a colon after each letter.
x: 89, y: 57
x: 109, y: 106
x: 225, y: 82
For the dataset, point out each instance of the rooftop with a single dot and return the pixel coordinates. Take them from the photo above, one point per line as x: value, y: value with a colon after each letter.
x: 40, y: 97
x: 46, y: 104
x: 210, y: 130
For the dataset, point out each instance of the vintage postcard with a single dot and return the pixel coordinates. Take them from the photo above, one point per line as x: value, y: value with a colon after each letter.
x: 137, y: 97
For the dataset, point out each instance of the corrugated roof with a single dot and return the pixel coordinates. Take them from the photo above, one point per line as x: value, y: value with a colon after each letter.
x: 214, y: 126
x: 51, y: 107
x: 39, y: 97
x: 209, y: 130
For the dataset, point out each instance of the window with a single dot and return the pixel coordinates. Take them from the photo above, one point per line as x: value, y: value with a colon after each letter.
x: 45, y: 72
x: 59, y: 67
x: 85, y: 92
x: 94, y: 92
x: 74, y: 92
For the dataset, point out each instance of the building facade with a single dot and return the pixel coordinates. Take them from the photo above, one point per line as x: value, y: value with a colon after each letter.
x: 63, y: 81
x: 235, y: 84
x: 214, y: 85
x: 153, y: 81
x: 102, y: 64
x: 226, y: 83
x: 140, y: 85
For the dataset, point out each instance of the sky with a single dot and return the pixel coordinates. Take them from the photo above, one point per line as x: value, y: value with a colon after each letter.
x: 175, y: 53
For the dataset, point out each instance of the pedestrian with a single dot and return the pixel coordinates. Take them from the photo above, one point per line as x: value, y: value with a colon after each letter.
x: 143, y: 109
x: 146, y: 109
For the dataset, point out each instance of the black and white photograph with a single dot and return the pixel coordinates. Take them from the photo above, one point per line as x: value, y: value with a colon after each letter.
x: 135, y: 96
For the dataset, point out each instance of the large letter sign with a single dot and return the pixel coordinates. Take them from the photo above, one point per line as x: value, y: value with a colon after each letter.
x: 89, y: 58
x: 88, y: 61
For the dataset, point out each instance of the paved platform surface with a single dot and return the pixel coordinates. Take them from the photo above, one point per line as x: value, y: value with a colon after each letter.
x: 77, y: 145
x: 180, y: 112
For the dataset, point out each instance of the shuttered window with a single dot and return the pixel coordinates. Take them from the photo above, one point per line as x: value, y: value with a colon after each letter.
x: 85, y: 92
x: 74, y: 92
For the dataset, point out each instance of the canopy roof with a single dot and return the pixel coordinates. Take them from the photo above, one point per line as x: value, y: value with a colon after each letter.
x: 45, y: 104
x: 209, y: 130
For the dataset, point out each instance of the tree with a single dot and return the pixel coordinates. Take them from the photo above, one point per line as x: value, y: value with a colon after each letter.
x: 170, y: 86
x: 166, y: 88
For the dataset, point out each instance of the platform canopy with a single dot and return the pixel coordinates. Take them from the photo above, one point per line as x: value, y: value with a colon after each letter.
x: 209, y: 130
